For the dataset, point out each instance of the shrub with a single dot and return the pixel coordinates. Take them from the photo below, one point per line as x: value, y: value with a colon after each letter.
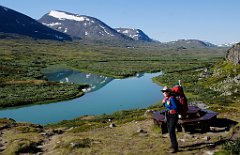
x: 232, y: 147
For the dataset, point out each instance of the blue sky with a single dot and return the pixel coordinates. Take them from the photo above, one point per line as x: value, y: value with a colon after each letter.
x: 216, y: 21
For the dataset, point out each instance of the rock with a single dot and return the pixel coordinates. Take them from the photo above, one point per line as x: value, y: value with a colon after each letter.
x: 199, y: 104
x: 57, y: 131
x: 148, y: 113
x: 205, y: 73
x: 207, y: 138
x: 36, y: 126
x: 59, y: 142
x: 81, y: 143
x: 181, y: 140
x: 233, y: 54
x: 209, y: 153
x: 141, y: 131
x: 112, y: 125
x: 74, y: 144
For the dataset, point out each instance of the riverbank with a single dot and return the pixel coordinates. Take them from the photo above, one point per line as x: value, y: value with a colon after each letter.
x: 18, y: 93
x: 25, y: 59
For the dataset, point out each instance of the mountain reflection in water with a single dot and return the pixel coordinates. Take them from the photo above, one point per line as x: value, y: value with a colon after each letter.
x: 93, y: 80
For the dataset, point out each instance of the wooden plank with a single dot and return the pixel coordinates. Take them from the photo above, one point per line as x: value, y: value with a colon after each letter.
x: 207, y: 116
x: 193, y: 109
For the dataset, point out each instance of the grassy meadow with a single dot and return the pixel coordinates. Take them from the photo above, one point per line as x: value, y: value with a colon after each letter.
x: 22, y: 62
x: 201, y: 70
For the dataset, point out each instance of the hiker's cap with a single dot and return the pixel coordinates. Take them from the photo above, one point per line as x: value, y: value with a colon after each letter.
x: 166, y: 89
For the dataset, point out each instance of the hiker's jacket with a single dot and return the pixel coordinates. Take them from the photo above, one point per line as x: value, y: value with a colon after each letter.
x: 170, y: 103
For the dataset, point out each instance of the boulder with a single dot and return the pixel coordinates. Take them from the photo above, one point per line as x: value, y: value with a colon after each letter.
x: 112, y: 125
x: 233, y: 54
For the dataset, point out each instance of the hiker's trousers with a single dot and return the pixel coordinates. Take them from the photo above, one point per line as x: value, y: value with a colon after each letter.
x: 172, y: 120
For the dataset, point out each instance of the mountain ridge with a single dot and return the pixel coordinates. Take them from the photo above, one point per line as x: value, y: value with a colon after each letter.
x: 14, y: 22
x: 81, y: 26
x: 189, y: 43
x: 62, y: 25
x: 136, y: 34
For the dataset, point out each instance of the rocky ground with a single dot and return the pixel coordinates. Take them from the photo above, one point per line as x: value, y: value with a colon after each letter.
x: 135, y: 137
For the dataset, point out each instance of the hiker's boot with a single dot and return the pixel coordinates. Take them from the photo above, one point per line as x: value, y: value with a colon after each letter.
x: 172, y: 150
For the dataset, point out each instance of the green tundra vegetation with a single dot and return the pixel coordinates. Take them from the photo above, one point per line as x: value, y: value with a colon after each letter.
x: 212, y: 84
x: 203, y: 73
x: 22, y: 62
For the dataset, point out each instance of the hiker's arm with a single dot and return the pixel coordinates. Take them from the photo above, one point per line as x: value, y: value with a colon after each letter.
x: 163, y: 102
x: 173, y: 103
x: 162, y: 105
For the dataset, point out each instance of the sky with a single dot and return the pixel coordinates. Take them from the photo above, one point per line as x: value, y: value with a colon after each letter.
x: 216, y: 21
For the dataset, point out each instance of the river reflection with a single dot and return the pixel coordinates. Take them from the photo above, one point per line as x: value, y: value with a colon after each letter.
x: 93, y: 80
x: 108, y: 96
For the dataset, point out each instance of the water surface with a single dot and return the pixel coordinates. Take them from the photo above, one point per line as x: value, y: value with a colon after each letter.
x: 107, y: 95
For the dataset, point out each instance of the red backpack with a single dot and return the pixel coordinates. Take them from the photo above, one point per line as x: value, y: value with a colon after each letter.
x: 180, y: 96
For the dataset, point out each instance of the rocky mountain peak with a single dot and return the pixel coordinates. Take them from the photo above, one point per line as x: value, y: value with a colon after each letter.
x: 136, y: 34
x: 80, y: 26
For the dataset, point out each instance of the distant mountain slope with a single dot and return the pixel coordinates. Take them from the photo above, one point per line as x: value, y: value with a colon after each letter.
x: 136, y: 34
x: 81, y: 27
x: 189, y: 43
x: 17, y: 23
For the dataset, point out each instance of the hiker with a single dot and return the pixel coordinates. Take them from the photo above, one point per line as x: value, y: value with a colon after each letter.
x: 171, y: 106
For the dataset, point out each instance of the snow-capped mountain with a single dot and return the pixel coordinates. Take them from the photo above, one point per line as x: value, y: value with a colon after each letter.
x: 227, y: 44
x: 209, y: 44
x: 136, y: 34
x: 14, y: 22
x: 81, y: 26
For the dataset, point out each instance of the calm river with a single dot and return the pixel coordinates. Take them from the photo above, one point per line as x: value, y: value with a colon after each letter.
x: 106, y: 95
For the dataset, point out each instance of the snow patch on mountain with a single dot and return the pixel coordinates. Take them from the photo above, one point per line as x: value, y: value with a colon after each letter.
x: 63, y: 16
x: 135, y: 34
x: 227, y: 44
x: 106, y: 30
x: 52, y: 24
